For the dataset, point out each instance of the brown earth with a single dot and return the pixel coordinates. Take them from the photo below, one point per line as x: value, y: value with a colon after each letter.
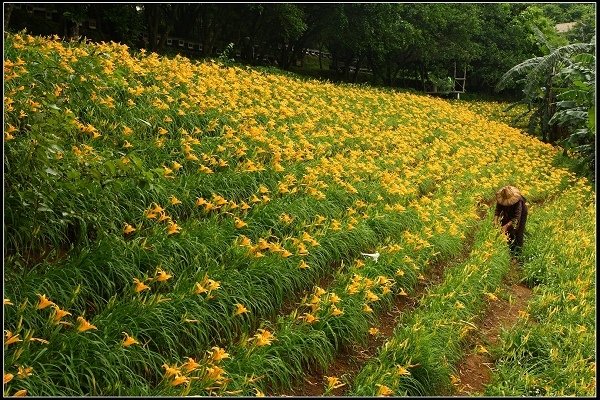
x: 475, y: 370
x: 349, y: 361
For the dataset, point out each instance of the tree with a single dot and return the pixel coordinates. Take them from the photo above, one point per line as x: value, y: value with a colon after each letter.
x: 73, y: 16
x: 8, y: 8
x: 559, y: 75
x: 584, y: 29
x: 576, y: 106
x: 160, y: 21
x: 504, y: 42
x: 122, y: 23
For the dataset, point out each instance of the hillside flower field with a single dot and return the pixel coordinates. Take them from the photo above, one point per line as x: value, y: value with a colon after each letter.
x: 189, y: 228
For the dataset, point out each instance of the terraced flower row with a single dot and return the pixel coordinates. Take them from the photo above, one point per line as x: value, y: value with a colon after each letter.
x: 330, y: 318
x: 551, y: 351
x: 419, y: 359
x: 159, y: 213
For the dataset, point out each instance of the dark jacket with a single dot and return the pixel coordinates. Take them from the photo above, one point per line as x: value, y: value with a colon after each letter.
x: 517, y: 213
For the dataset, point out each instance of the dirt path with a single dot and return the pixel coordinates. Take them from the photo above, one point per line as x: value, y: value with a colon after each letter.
x: 349, y: 361
x: 475, y: 370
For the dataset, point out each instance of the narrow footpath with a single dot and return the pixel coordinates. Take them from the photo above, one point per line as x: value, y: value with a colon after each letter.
x: 475, y: 369
x: 349, y: 361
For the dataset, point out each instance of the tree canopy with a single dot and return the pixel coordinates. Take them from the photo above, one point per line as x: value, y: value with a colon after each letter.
x: 399, y: 44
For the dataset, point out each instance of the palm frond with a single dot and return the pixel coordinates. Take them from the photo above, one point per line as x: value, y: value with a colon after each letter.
x: 554, y: 59
x: 517, y: 70
x: 542, y: 38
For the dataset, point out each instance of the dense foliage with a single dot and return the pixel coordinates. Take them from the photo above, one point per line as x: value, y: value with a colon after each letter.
x: 401, y: 44
x: 559, y: 91
x: 191, y: 228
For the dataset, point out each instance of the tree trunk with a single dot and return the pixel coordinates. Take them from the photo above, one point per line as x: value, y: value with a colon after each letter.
x: 152, y: 19
x: 8, y: 8
x: 347, y: 68
x: 358, y: 63
x: 395, y: 74
x: 75, y: 29
x: 163, y: 39
x: 321, y: 57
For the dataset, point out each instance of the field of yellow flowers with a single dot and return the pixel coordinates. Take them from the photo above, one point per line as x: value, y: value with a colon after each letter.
x: 192, y: 228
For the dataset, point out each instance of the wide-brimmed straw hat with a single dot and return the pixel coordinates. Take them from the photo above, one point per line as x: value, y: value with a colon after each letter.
x: 508, y: 195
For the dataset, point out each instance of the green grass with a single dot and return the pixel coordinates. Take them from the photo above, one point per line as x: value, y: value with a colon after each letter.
x: 551, y: 351
x: 427, y: 343
x: 95, y: 137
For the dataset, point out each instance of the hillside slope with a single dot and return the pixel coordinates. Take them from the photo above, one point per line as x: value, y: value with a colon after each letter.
x: 159, y: 211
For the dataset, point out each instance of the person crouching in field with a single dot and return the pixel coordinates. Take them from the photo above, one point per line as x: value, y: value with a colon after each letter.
x: 511, y: 214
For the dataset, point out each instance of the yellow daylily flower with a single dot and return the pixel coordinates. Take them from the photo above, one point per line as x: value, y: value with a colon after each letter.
x: 139, y: 285
x: 44, y: 302
x: 240, y: 309
x: 128, y: 340
x: 174, y: 200
x: 263, y: 337
x: 217, y: 354
x: 171, y: 371
x: 8, y: 377
x: 245, y: 241
x: 491, y: 296
x: 162, y: 275
x: 190, y: 365
x: 24, y: 372
x: 163, y: 217
x: 371, y: 296
x: 286, y: 253
x: 128, y: 229
x: 59, y: 314
x: 205, y: 169
x: 373, y: 331
x: 215, y: 373
x: 84, y: 325
x: 239, y: 223
x: 199, y: 288
x: 191, y: 156
x: 178, y: 380
x: 336, y: 311
x: 400, y: 370
x: 173, y: 228
x: 167, y: 172
x: 213, y: 285
x: 384, y: 390
x: 309, y: 318
x: 333, y: 382
x: 334, y: 298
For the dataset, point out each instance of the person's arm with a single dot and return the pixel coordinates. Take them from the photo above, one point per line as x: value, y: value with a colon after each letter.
x: 515, y: 221
x: 497, y: 214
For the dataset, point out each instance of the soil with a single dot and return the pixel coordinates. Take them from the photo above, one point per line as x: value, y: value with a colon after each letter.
x: 349, y: 361
x: 475, y: 370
